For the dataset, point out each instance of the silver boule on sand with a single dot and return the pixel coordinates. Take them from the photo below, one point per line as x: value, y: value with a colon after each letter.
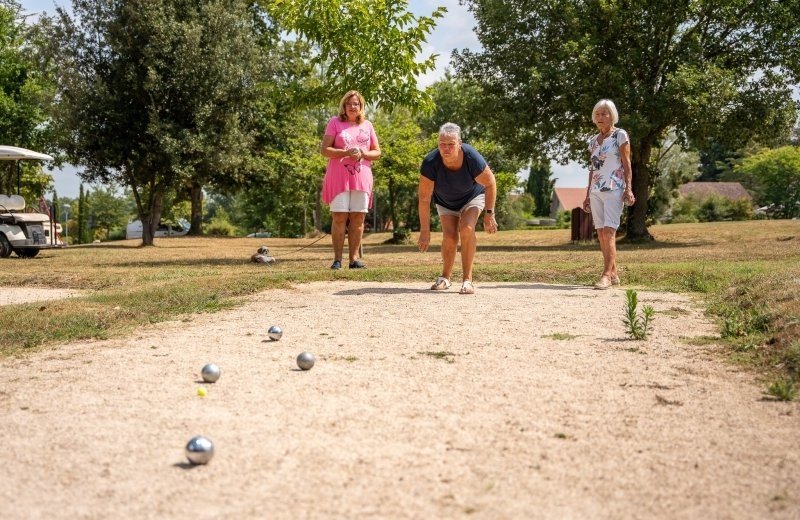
x: 199, y: 450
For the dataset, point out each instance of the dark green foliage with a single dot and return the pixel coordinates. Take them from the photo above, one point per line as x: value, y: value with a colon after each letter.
x: 151, y: 96
x: 706, y: 70
x: 540, y: 187
x: 774, y: 176
x: 379, y: 58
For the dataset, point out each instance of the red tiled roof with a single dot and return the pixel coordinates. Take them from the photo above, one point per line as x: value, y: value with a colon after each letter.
x: 570, y: 198
x: 701, y: 190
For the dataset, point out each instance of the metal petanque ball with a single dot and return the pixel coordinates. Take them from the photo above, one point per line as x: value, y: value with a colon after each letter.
x: 210, y: 373
x: 199, y: 450
x: 306, y: 360
x: 275, y: 333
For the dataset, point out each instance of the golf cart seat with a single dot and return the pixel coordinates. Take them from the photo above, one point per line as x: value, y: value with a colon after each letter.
x: 9, y: 203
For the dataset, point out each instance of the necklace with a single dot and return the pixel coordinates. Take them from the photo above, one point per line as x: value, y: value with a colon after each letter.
x: 602, y: 137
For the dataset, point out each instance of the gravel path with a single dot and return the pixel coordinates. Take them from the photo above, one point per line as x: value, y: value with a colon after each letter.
x: 521, y: 401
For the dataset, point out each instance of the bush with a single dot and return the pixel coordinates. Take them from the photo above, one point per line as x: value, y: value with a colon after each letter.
x: 401, y: 235
x: 740, y: 209
x: 713, y: 208
x: 564, y: 218
x: 512, y: 212
x: 220, y: 227
x: 117, y: 234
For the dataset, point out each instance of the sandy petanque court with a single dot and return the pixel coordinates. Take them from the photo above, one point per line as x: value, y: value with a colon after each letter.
x: 522, y: 401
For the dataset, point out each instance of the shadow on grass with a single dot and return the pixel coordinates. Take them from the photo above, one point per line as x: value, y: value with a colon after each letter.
x: 200, y: 262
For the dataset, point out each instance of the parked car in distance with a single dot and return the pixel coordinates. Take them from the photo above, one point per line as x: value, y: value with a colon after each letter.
x: 134, y: 229
x: 260, y: 234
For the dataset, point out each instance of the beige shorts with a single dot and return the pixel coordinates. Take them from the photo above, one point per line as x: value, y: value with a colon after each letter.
x: 351, y: 202
x: 478, y: 202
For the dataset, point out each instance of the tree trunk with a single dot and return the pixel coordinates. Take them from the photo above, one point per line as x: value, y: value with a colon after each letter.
x: 196, y: 228
x: 637, y: 214
x: 150, y: 222
x: 393, y: 207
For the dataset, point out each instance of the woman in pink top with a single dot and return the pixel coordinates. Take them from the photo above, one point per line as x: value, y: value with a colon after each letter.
x: 350, y: 144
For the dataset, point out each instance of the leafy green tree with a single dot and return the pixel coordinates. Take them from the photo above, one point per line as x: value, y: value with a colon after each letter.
x: 459, y: 101
x: 108, y: 210
x: 82, y: 216
x: 403, y: 147
x: 24, y: 89
x: 671, y: 165
x: 707, y: 69
x: 774, y: 176
x: 152, y: 97
x: 283, y: 191
x: 540, y: 187
x: 369, y: 45
x: 505, y: 165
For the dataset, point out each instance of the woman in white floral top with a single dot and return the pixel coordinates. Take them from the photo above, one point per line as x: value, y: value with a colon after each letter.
x: 609, y: 185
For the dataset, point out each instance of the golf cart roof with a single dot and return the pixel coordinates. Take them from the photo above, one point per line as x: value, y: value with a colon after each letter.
x: 13, y: 153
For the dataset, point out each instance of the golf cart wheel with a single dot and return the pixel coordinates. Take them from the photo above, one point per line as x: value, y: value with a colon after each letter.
x: 26, y: 253
x: 5, y: 246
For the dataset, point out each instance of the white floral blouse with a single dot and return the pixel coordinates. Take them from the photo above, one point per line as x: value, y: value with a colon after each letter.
x: 606, y: 161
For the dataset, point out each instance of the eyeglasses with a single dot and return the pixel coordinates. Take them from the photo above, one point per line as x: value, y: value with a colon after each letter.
x: 356, y: 105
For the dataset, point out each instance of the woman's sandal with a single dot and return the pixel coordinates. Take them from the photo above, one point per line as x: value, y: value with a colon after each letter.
x: 603, y: 283
x: 467, y: 287
x: 442, y: 284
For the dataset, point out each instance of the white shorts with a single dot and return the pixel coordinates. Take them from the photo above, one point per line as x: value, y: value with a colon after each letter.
x: 606, y: 208
x: 478, y: 202
x: 351, y: 202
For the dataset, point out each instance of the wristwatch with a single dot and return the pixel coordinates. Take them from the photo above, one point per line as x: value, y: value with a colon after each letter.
x: 489, y: 211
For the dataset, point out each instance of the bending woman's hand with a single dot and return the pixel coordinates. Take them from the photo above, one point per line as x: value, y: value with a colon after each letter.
x: 489, y: 223
x: 424, y: 240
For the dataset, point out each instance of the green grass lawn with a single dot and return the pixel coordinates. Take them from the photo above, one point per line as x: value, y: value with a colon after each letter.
x: 747, y: 273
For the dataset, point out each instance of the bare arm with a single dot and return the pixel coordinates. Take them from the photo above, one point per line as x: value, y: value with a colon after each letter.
x: 625, y: 158
x: 372, y: 154
x: 486, y: 178
x: 327, y: 149
x: 425, y: 193
x: 587, y: 207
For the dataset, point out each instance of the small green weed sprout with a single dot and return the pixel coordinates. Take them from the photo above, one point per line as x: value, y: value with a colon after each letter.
x: 636, y: 325
x: 782, y: 390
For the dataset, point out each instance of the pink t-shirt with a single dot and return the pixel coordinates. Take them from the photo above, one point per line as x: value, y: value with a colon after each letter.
x: 347, y: 174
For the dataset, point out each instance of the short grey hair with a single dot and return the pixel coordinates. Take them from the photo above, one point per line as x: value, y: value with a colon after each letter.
x: 450, y: 129
x: 612, y: 109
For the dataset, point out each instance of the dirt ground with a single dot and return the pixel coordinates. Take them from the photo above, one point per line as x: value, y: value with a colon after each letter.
x: 522, y: 401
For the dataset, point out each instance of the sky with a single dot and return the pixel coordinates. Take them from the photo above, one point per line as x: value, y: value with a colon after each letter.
x: 453, y: 31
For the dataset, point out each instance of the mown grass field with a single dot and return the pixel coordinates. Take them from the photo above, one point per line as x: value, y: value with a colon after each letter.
x: 746, y: 273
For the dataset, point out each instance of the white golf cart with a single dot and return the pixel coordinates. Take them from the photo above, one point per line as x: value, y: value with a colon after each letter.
x: 23, y: 229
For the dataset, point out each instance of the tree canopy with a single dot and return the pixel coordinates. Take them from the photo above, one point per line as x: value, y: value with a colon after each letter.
x: 774, y: 177
x: 24, y: 95
x: 368, y: 45
x: 703, y: 69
